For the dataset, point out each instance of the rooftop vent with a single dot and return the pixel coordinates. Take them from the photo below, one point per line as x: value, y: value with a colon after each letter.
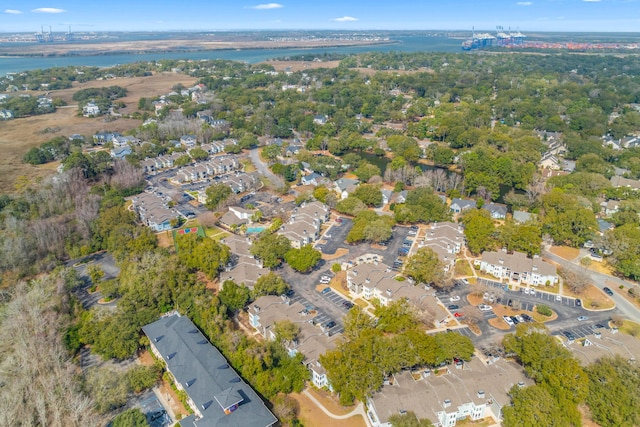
x: 520, y: 384
x: 446, y: 403
x: 481, y: 394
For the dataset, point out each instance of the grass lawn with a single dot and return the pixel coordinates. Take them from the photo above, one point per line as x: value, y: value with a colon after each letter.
x: 462, y: 268
x: 216, y: 233
x: 592, y: 297
x: 312, y: 416
x: 630, y: 328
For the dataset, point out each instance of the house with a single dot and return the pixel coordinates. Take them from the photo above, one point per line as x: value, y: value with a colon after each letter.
x: 303, y: 227
x: 610, y: 207
x: 568, y: 165
x: 400, y: 197
x: 518, y: 268
x: 153, y: 211
x: 549, y: 161
x: 121, y: 141
x: 90, y: 110
x: 523, y: 217
x: 446, y: 239
x: 345, y: 186
x: 188, y: 141
x: 618, y: 181
x: 461, y: 205
x: 497, y: 210
x: 148, y: 166
x: 311, y: 341
x: 473, y: 389
x: 101, y: 138
x: 320, y: 119
x: 244, y: 273
x: 120, y: 152
x: 217, y: 395
x: 236, y: 216
x: 604, y: 226
x: 292, y: 150
x: 386, y: 196
x: 311, y: 179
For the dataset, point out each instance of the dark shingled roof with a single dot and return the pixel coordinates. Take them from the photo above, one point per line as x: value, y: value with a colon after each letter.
x: 206, y: 376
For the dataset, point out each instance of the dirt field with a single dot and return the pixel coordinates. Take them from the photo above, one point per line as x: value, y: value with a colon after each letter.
x: 312, y: 416
x: 565, y: 252
x: 592, y: 298
x: 19, y: 135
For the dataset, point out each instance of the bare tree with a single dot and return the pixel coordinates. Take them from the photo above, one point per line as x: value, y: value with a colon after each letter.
x: 126, y: 175
x: 574, y: 279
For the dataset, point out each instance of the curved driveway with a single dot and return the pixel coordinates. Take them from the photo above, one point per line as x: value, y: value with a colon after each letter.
x: 254, y: 155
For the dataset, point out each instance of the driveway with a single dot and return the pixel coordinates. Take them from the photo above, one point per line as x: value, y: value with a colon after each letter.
x: 254, y: 155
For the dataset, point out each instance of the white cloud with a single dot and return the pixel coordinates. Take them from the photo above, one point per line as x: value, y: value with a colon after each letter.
x: 12, y: 12
x: 48, y: 10
x: 524, y: 3
x: 267, y: 6
x: 345, y: 19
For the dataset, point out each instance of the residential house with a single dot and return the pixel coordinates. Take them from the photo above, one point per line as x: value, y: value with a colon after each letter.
x: 121, y: 141
x: 386, y: 196
x: 153, y: 211
x: 6, y: 114
x: 216, y: 394
x: 618, y: 181
x: 446, y: 239
x: 90, y: 110
x: 236, y: 216
x: 311, y: 341
x: 605, y: 342
x: 549, y: 161
x: 610, y: 207
x: 604, y: 226
x: 188, y: 141
x: 244, y: 273
x: 303, y: 227
x: 320, y: 119
x: 148, y: 166
x: 311, y: 179
x: 474, y: 389
x: 400, y: 197
x: 101, y: 138
x: 120, y: 152
x: 518, y: 268
x: 461, y: 205
x: 523, y: 217
x: 497, y: 210
x: 345, y: 186
x: 293, y: 149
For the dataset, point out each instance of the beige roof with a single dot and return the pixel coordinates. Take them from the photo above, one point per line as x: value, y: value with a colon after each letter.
x: 425, y: 396
x: 231, y: 218
x: 618, y: 181
x: 518, y: 262
x: 606, y: 345
x: 244, y: 273
x: 373, y: 272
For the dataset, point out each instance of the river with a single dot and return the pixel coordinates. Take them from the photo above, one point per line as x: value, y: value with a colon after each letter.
x: 403, y: 43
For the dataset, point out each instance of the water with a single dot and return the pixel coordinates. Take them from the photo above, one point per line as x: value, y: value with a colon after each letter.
x: 404, y: 43
x: 255, y: 230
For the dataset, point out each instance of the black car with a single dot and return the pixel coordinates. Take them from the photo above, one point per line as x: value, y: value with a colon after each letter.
x: 347, y: 304
x: 607, y: 291
x: 289, y: 293
x: 515, y: 320
x: 578, y: 303
x: 330, y: 325
x: 527, y: 318
x: 453, y: 307
x: 569, y: 336
x: 414, y: 227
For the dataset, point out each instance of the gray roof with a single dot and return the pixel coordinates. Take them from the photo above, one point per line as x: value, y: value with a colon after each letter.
x: 206, y: 376
x: 343, y: 183
x: 522, y: 216
x: 496, y: 209
x: 463, y: 203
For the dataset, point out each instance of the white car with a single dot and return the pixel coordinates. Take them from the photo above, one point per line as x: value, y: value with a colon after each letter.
x: 558, y: 298
x: 485, y: 307
x: 508, y: 320
x: 454, y: 298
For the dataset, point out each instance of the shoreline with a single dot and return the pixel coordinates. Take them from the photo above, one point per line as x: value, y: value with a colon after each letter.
x: 113, y: 49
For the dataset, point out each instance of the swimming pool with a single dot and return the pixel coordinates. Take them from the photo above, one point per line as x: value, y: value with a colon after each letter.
x: 255, y: 230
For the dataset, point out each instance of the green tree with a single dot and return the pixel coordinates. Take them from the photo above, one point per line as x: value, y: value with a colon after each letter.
x: 614, y: 392
x: 269, y: 284
x: 369, y: 194
x: 235, y: 297
x: 271, y: 249
x: 198, y: 153
x: 624, y: 242
x: 525, y: 238
x: 286, y: 330
x: 533, y: 407
x: 408, y: 419
x: 422, y: 205
x: 426, y: 267
x: 366, y: 170
x: 566, y: 220
x: 216, y: 194
x: 202, y: 254
x: 478, y: 230
x: 303, y: 259
x: 351, y: 205
x: 396, y: 317
x: 133, y: 417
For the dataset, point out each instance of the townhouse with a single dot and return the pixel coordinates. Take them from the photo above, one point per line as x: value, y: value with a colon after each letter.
x: 446, y: 239
x: 153, y: 211
x: 518, y: 268
x: 303, y: 227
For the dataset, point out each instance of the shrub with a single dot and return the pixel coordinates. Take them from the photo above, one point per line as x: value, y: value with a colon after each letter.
x: 544, y: 310
x: 336, y: 267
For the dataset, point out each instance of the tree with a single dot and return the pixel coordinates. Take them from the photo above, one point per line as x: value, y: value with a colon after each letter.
x: 478, y: 230
x: 369, y: 194
x: 270, y: 249
x: 614, y: 392
x: 235, y: 297
x: 366, y: 170
x: 198, y: 153
x: 351, y: 205
x: 525, y: 238
x: 269, y: 284
x: 566, y: 220
x: 303, y: 259
x: 422, y: 205
x: 133, y: 417
x: 202, y: 254
x: 396, y: 317
x: 624, y: 243
x: 95, y: 273
x: 426, y: 267
x: 533, y: 407
x: 216, y: 194
x: 286, y: 330
x: 574, y: 279
x: 408, y: 419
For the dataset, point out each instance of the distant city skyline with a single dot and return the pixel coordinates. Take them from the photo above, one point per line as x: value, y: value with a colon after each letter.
x: 227, y: 15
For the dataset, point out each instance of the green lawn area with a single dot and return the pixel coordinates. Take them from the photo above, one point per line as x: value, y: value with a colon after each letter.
x: 216, y: 233
x: 630, y: 328
x: 462, y: 268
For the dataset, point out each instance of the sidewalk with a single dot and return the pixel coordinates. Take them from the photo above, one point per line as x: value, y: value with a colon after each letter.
x: 359, y: 409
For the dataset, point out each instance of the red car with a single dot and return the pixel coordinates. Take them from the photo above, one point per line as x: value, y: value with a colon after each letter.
x: 456, y: 314
x: 339, y: 220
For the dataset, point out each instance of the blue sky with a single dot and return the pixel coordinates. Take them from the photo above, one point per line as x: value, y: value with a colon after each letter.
x: 147, y: 15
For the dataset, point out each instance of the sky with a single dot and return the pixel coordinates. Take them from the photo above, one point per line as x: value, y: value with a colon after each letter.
x: 224, y: 15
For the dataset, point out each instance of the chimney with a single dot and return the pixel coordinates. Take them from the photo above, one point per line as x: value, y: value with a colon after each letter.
x: 481, y: 394
x: 446, y: 403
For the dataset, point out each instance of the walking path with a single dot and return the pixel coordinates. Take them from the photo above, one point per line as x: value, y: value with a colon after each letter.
x: 359, y: 409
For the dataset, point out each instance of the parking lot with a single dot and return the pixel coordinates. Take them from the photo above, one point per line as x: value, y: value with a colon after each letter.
x: 321, y: 318
x: 579, y: 331
x: 335, y: 237
x: 533, y: 295
x: 156, y: 414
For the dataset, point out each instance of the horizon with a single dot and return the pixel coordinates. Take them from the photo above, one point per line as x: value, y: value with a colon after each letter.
x: 567, y: 16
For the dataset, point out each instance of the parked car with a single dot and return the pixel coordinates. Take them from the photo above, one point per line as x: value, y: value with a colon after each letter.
x: 520, y: 318
x: 527, y: 318
x: 290, y: 292
x: 339, y: 220
x: 578, y: 303
x: 582, y: 318
x: 515, y: 320
x: 326, y: 290
x: 558, y: 298
x: 453, y: 307
x: 330, y: 324
x: 607, y: 291
x: 454, y: 298
x: 485, y: 307
x: 414, y: 227
x: 508, y: 320
x: 457, y: 314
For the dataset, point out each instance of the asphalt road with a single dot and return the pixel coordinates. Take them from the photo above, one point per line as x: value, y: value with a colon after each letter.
x: 254, y: 155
